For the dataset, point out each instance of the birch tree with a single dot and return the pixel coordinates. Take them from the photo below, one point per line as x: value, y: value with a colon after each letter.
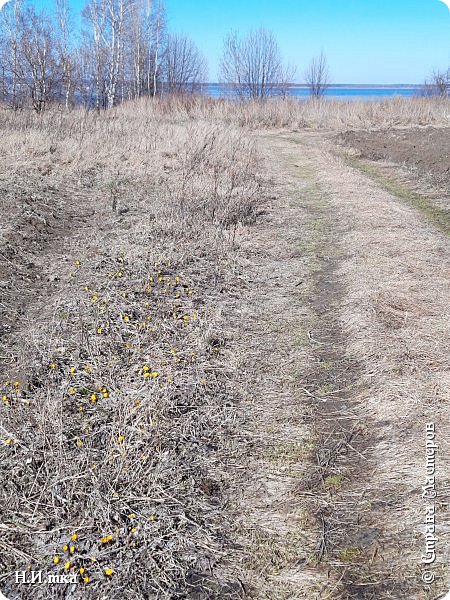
x: 65, y: 55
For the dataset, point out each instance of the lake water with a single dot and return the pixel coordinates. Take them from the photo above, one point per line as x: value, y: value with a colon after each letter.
x: 343, y: 92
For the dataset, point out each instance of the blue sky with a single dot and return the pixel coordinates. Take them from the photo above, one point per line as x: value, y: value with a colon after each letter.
x: 366, y: 41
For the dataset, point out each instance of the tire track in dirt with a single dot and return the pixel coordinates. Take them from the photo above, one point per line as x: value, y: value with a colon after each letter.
x: 370, y: 372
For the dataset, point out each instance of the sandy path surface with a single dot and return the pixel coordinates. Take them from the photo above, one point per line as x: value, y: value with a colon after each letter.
x: 349, y: 307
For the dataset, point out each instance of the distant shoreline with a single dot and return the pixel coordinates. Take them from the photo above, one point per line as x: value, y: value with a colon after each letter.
x: 377, y: 86
x: 339, y: 91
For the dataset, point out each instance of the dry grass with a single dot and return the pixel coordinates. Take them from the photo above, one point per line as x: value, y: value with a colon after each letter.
x: 292, y: 113
x: 123, y: 236
x: 117, y: 419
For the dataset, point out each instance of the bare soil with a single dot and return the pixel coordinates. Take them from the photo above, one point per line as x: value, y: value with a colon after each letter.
x: 425, y: 150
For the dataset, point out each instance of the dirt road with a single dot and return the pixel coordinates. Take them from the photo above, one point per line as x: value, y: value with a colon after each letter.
x: 347, y: 344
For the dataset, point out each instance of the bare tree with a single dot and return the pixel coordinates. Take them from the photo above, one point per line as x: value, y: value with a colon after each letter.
x: 146, y: 42
x: 115, y: 19
x: 65, y: 57
x: 317, y: 76
x: 252, y: 66
x: 12, y: 76
x: 87, y: 81
x: 156, y: 17
x: 136, y: 43
x: 438, y: 84
x: 39, y: 68
x: 184, y: 67
x: 95, y: 15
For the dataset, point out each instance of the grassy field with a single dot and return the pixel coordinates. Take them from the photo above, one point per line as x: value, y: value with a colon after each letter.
x: 169, y: 272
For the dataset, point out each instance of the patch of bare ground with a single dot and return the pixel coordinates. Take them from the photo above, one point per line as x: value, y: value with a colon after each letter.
x: 425, y: 150
x: 349, y: 306
x: 413, y: 164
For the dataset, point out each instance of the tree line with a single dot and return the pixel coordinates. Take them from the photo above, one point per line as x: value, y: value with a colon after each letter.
x: 125, y: 51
